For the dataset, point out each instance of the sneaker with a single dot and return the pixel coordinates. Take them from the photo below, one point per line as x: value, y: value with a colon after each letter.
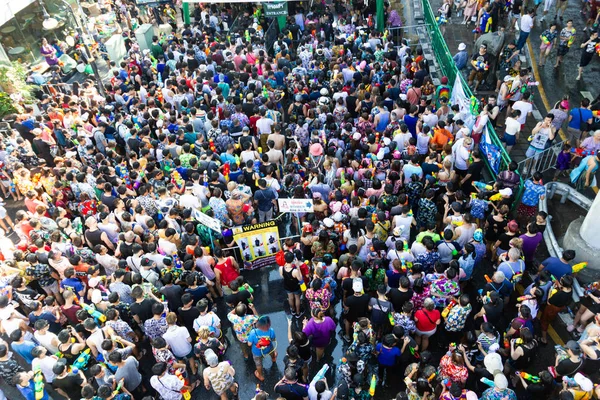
x: 347, y: 338
x: 570, y: 328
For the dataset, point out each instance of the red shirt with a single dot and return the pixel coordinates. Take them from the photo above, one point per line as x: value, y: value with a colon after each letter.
x: 228, y: 273
x: 426, y: 320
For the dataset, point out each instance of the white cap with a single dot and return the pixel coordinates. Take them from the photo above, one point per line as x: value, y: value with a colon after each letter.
x: 328, y: 222
x: 357, y: 285
x: 462, y: 47
x: 506, y: 192
x: 584, y: 383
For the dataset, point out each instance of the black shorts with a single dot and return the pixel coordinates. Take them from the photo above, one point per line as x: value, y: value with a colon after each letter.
x: 586, y: 58
x: 563, y: 49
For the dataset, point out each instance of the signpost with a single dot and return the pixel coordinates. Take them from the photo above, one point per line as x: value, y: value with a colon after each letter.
x: 209, y: 222
x: 275, y: 8
x: 296, y: 205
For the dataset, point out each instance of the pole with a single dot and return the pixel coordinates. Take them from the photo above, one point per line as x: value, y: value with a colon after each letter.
x: 590, y: 229
x: 88, y: 54
x: 380, y: 16
x: 185, y: 9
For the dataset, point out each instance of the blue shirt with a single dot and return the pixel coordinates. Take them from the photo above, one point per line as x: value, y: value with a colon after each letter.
x: 576, y: 119
x: 29, y: 391
x: 460, y: 59
x: 24, y: 350
x: 387, y: 357
x: 411, y: 123
x: 255, y: 337
x: 556, y: 267
x: 72, y: 284
x: 532, y: 193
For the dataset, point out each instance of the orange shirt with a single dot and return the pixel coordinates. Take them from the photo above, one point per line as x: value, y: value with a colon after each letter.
x: 441, y: 138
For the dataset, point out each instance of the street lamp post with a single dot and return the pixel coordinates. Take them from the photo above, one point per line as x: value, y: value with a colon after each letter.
x: 49, y: 21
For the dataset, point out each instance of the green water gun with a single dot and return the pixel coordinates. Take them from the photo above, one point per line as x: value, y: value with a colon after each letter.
x: 38, y: 383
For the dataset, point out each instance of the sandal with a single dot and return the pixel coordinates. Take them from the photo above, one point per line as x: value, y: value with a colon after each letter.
x: 195, y: 385
x: 260, y: 378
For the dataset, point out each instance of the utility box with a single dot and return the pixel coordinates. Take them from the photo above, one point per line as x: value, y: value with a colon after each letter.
x: 115, y: 47
x: 144, y: 34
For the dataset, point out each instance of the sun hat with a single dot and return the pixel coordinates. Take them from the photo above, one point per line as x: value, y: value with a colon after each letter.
x: 316, y: 149
x: 328, y: 222
x: 500, y: 381
x: 507, y: 192
x: 211, y: 358
x: 493, y: 363
x: 462, y: 47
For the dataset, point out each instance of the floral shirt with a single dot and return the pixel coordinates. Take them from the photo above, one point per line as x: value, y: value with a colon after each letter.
x: 427, y: 212
x: 493, y: 394
x: 318, y: 299
x: 455, y: 322
x: 220, y: 209
x: 41, y: 272
x: 428, y: 260
x: 155, y: 327
x: 419, y: 298
x: 242, y: 325
x: 165, y: 355
x: 406, y: 322
x: 532, y: 193
x: 444, y: 287
x: 452, y: 371
x: 121, y: 327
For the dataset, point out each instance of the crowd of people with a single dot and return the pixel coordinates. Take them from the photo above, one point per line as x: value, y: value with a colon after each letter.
x: 105, y: 262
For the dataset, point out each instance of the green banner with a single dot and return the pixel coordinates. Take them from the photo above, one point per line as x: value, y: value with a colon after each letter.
x: 275, y: 8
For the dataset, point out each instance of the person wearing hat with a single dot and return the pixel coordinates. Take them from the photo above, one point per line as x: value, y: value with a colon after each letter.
x: 219, y: 375
x: 462, y: 57
x: 569, y: 365
x: 499, y: 390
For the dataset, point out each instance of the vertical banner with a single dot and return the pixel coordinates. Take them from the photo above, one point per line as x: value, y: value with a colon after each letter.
x: 258, y: 243
x: 275, y: 8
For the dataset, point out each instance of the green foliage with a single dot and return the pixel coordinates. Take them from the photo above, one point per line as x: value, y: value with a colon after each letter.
x: 7, y: 105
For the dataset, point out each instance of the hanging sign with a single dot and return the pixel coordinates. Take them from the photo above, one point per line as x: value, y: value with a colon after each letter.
x: 275, y: 8
x: 296, y: 205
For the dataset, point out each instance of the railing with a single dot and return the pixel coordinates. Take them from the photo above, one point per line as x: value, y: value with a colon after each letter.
x: 541, y: 162
x: 448, y: 67
x: 567, y: 193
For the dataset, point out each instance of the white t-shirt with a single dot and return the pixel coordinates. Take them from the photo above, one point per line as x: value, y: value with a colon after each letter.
x: 512, y: 126
x: 46, y: 364
x: 177, y: 338
x: 189, y: 201
x: 525, y: 109
x: 461, y: 155
x: 264, y: 125
x: 210, y: 320
x: 167, y: 247
x: 526, y: 23
x: 168, y: 386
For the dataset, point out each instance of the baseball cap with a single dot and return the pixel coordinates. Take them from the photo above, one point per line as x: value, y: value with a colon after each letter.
x: 146, y: 262
x: 573, y: 346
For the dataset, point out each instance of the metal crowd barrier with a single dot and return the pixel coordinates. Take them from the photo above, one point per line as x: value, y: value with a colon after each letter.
x: 567, y: 193
x: 541, y: 162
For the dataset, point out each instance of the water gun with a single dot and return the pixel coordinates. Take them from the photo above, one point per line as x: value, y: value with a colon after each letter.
x: 324, y: 137
x: 321, y: 374
x: 82, y: 360
x: 124, y: 174
x: 545, y: 40
x: 186, y: 393
x: 528, y: 377
x: 481, y: 66
x: 343, y: 177
x: 578, y: 267
x: 247, y: 36
x: 496, y: 197
x: 118, y: 388
x: 569, y: 381
x: 165, y: 305
x: 205, y: 177
x: 237, y: 160
x: 441, y: 20
x: 431, y: 377
x: 487, y: 278
x: 597, y: 48
x: 581, y: 152
x: 523, y: 298
x: 482, y: 186
x: 447, y: 382
x: 211, y: 145
x: 91, y: 310
x: 488, y: 382
x: 38, y: 383
x: 373, y: 385
x: 177, y: 179
x: 374, y: 218
x: 448, y: 308
x: 226, y: 170
x: 405, y: 246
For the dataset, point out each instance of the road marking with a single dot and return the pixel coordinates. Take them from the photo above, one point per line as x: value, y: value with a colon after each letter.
x: 551, y: 331
x: 536, y: 74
